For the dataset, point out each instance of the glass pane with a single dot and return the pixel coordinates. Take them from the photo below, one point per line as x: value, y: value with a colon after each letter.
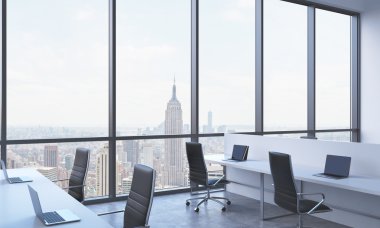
x: 153, y: 67
x: 55, y: 161
x: 213, y: 145
x: 285, y: 66
x: 166, y: 156
x: 335, y: 136
x: 57, y: 68
x: 333, y: 97
x: 226, y: 66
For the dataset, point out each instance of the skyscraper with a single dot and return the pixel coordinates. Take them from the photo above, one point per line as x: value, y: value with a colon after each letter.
x: 209, y: 122
x: 102, y: 172
x: 131, y: 152
x: 174, y: 154
x: 69, y: 161
x: 50, y: 156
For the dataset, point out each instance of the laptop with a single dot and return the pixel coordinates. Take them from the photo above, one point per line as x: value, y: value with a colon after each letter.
x: 336, y: 167
x: 13, y: 180
x: 239, y: 153
x: 50, y: 218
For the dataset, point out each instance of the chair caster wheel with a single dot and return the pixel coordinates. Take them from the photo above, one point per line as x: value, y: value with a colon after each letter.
x: 196, y: 209
x: 187, y: 203
x: 224, y: 209
x: 228, y: 202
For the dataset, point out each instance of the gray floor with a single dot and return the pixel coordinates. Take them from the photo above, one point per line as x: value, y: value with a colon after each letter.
x: 171, y: 211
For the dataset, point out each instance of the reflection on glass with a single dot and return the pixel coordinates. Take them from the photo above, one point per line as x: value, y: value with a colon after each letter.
x: 285, y: 66
x: 166, y: 156
x: 55, y: 161
x: 153, y: 66
x: 57, y: 68
x: 333, y: 97
x: 226, y: 66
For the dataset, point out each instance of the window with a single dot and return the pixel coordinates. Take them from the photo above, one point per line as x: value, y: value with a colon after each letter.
x: 153, y: 67
x: 55, y: 161
x: 57, y: 69
x: 166, y: 156
x: 226, y: 66
x: 333, y: 70
x: 285, y: 66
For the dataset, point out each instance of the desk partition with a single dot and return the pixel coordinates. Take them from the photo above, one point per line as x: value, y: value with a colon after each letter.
x: 356, y: 200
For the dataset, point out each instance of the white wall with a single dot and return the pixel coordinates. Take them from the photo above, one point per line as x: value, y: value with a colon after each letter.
x: 370, y: 63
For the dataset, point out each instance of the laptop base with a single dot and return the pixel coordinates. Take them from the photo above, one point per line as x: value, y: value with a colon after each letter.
x: 328, y: 176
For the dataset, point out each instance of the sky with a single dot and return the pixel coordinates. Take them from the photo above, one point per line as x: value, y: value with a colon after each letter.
x: 58, y: 63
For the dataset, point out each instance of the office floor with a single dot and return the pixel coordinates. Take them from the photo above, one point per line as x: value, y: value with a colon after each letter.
x: 171, y: 211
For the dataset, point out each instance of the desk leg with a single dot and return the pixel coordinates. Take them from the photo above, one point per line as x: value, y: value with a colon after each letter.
x: 262, y: 196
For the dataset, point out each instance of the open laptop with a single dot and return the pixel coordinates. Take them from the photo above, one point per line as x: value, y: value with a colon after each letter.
x: 239, y: 153
x: 336, y: 167
x: 50, y: 218
x: 13, y: 180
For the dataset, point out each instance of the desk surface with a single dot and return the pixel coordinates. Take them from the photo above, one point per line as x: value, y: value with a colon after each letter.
x: 364, y: 184
x: 16, y: 207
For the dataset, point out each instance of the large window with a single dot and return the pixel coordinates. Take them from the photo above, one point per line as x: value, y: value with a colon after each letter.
x: 226, y: 66
x: 285, y: 66
x: 57, y: 68
x: 153, y: 67
x: 183, y: 68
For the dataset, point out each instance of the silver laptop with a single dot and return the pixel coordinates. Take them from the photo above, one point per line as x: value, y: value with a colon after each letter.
x: 13, y: 180
x: 50, y: 218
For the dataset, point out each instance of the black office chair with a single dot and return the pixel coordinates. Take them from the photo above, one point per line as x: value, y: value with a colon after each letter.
x: 78, y: 174
x: 198, y: 175
x: 285, y: 192
x: 139, y: 202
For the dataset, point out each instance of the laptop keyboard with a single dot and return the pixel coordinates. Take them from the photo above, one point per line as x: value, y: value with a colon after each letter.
x: 52, y: 217
x: 15, y: 179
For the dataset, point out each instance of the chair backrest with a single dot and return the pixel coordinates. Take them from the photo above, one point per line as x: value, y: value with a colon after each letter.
x: 197, y: 166
x: 140, y: 197
x: 285, y: 193
x: 79, y: 173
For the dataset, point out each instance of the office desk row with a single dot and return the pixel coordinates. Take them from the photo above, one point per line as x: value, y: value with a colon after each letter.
x: 362, y: 184
x: 16, y: 209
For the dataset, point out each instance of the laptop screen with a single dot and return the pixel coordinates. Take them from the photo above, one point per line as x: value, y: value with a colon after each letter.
x: 4, y: 169
x: 239, y: 152
x: 337, y: 165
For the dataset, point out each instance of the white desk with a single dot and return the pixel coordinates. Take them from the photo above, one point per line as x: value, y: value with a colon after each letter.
x: 368, y: 185
x: 16, y: 209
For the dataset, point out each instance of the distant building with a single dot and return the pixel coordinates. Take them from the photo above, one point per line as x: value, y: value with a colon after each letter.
x: 69, y: 162
x: 174, y: 153
x: 126, y: 185
x: 50, y: 173
x: 50, y: 156
x: 131, y: 152
x: 102, y: 167
x: 210, y: 128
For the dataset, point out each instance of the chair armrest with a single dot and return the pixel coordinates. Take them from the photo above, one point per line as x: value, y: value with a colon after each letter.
x: 60, y: 180
x: 75, y: 186
x: 110, y: 212
x: 300, y: 196
x: 221, y: 178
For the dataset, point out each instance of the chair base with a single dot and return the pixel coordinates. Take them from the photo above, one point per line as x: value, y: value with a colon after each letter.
x: 206, y: 198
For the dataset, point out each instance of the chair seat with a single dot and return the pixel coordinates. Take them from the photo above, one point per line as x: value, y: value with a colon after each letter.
x: 212, y: 181
x: 307, y: 205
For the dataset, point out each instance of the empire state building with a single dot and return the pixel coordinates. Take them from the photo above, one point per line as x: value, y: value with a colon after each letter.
x: 174, y: 153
